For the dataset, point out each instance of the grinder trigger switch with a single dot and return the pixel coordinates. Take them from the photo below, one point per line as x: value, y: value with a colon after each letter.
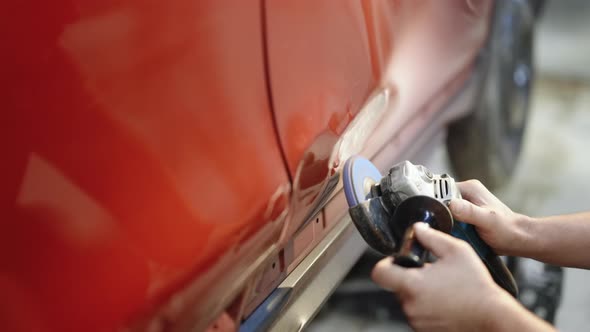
x: 384, y: 209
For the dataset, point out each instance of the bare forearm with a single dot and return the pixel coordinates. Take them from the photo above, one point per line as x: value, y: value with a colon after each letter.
x: 561, y: 240
x: 506, y: 314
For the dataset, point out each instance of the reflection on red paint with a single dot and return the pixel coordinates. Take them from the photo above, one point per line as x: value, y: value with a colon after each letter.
x: 329, y: 60
x: 129, y: 169
x: 142, y: 175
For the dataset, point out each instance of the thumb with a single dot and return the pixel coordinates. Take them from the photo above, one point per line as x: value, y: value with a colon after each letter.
x: 437, y: 242
x: 470, y: 213
x: 390, y: 276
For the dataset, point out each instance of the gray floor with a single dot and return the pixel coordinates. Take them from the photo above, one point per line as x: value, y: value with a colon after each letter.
x: 553, y: 176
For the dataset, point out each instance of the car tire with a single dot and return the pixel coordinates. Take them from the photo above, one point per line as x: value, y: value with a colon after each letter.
x: 486, y: 143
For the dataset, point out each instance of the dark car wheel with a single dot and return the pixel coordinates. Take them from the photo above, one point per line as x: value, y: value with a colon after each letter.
x: 486, y: 144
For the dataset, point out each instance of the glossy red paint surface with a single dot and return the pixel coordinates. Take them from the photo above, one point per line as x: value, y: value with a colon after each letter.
x: 129, y: 165
x: 142, y: 178
x: 327, y: 59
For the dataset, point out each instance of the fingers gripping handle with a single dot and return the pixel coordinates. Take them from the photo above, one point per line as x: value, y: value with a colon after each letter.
x: 419, y: 209
x: 434, y: 213
x: 411, y: 253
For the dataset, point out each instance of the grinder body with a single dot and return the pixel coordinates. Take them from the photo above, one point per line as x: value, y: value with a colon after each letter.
x: 384, y: 208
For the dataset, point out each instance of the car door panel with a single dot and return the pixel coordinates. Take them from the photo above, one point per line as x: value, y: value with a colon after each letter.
x: 346, y: 76
x: 131, y: 169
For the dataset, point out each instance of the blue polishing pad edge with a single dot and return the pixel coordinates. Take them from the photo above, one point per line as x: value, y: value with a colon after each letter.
x: 356, y: 170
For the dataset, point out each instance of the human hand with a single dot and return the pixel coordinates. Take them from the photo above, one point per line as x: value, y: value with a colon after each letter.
x: 501, y: 228
x: 453, y: 293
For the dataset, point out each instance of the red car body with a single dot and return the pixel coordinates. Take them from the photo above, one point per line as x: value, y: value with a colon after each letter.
x: 168, y: 162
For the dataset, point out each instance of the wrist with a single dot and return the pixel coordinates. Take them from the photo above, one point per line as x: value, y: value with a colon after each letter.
x: 504, y: 313
x: 525, y: 235
x: 498, y: 312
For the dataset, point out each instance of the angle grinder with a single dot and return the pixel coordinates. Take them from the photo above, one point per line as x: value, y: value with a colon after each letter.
x: 384, y: 208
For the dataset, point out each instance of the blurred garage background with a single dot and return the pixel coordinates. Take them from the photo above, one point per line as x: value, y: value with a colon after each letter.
x: 554, y: 173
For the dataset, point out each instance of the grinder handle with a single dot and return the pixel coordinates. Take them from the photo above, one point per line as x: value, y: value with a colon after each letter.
x: 411, y: 253
x: 492, y: 261
x: 418, y: 209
